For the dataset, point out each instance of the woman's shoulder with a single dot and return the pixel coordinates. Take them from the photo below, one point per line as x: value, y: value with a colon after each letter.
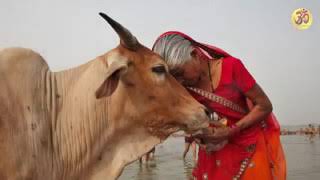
x: 233, y: 68
x: 231, y: 62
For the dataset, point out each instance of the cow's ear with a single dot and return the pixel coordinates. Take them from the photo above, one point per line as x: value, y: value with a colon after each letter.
x: 114, y: 72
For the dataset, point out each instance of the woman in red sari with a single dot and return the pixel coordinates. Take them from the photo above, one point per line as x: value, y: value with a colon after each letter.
x: 245, y: 144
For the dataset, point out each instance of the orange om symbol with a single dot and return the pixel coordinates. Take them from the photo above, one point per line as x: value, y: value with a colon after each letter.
x: 302, y: 16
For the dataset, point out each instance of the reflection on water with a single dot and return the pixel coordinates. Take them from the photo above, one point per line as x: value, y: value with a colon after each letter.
x: 303, y: 159
x: 167, y: 164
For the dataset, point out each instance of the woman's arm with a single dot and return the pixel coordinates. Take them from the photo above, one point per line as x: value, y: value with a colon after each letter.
x: 262, y: 107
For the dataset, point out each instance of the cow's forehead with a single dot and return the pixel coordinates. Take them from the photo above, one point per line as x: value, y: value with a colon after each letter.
x: 150, y: 56
x: 142, y: 56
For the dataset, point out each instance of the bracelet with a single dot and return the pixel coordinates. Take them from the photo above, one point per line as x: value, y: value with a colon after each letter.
x: 234, y: 129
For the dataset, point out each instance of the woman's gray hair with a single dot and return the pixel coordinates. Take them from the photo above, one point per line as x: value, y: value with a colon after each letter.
x: 174, y: 49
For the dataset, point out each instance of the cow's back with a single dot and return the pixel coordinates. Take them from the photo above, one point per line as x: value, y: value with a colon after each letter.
x: 24, y: 126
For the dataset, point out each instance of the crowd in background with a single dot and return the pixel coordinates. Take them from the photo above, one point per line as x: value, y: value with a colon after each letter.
x: 309, y: 130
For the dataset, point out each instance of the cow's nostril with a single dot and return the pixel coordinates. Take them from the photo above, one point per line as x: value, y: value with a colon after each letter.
x: 208, y: 112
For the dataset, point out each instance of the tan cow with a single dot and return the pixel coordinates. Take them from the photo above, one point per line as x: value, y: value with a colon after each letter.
x: 88, y: 122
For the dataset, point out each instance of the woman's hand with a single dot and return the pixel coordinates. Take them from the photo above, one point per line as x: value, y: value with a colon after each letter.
x: 219, y: 134
x: 214, y: 135
x: 214, y: 139
x: 214, y: 147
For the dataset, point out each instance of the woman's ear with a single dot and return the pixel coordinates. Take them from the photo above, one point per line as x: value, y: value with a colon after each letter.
x: 194, y: 53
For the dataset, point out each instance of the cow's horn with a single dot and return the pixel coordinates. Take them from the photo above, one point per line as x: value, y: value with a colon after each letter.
x: 127, y: 39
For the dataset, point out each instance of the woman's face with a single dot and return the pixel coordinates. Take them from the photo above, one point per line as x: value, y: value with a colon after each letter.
x: 189, y: 73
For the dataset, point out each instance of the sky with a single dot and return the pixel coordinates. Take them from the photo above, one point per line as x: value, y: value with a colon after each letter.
x: 284, y: 61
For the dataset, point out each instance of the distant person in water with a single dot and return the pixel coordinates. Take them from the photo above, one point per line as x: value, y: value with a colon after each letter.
x: 189, y: 141
x: 311, y: 132
x: 148, y: 156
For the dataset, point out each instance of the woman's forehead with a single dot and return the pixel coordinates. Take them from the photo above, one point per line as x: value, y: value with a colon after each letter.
x: 182, y: 67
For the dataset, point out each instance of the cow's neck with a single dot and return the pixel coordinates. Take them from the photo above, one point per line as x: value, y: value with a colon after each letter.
x: 79, y: 120
x: 126, y: 147
x: 87, y: 133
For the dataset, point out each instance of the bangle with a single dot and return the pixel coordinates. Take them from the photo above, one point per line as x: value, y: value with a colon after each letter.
x: 234, y: 129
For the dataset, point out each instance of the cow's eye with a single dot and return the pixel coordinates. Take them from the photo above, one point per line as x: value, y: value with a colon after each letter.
x: 160, y: 69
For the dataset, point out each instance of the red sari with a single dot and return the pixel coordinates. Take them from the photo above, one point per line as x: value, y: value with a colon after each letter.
x: 256, y: 152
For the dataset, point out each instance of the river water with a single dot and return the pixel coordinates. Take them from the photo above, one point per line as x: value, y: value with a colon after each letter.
x: 303, y: 161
